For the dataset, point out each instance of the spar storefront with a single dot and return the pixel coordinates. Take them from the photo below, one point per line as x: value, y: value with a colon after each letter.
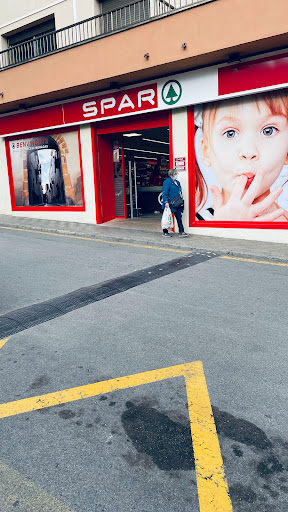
x: 96, y: 158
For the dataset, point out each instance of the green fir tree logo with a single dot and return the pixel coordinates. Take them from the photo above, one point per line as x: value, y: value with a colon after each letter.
x: 171, y: 92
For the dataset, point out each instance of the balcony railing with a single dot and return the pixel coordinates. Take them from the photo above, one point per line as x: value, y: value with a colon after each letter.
x: 90, y: 29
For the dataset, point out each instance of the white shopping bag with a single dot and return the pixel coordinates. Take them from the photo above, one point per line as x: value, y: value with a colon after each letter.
x: 167, y: 219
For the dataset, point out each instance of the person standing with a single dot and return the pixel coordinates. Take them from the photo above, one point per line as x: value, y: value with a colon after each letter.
x: 172, y: 195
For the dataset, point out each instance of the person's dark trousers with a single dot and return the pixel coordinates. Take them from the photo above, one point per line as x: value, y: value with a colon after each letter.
x: 178, y: 215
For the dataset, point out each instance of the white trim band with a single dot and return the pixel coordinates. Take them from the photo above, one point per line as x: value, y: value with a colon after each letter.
x: 31, y: 13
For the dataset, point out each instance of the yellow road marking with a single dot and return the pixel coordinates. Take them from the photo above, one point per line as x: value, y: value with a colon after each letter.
x: 97, y: 240
x: 255, y: 261
x: 19, y: 492
x: 211, y: 482
x: 212, y: 486
x: 2, y: 342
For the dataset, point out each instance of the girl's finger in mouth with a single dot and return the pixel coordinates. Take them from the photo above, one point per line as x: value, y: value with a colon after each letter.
x: 250, y: 177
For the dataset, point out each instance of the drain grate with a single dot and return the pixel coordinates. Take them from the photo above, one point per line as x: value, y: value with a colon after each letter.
x: 23, y: 318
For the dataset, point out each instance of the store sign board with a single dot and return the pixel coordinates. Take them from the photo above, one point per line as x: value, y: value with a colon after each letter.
x: 114, y: 104
x: 190, y: 88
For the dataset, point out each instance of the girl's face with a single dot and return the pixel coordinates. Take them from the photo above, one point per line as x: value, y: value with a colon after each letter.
x: 244, y: 139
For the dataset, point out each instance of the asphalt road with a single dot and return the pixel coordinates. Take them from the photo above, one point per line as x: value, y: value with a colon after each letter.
x: 130, y: 449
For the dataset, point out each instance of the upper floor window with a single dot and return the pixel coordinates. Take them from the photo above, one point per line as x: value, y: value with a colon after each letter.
x: 32, y: 41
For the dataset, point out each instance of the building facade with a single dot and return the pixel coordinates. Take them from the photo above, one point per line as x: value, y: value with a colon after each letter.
x: 99, y: 99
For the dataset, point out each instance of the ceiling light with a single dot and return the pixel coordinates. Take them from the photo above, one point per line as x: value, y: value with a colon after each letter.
x: 146, y: 158
x: 158, y: 141
x: 145, y: 151
x: 132, y: 134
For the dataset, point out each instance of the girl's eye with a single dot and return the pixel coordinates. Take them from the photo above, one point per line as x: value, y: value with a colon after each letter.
x: 229, y: 134
x: 269, y: 130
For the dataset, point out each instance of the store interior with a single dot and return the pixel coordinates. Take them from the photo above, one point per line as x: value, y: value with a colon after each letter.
x: 146, y: 164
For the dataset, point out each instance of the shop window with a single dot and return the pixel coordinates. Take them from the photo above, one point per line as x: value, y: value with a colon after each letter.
x: 46, y: 171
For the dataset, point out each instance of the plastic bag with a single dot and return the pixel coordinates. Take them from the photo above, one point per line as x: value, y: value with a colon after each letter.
x: 167, y: 219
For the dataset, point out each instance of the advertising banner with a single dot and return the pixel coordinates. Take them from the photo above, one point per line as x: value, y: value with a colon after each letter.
x: 46, y: 171
x: 241, y: 152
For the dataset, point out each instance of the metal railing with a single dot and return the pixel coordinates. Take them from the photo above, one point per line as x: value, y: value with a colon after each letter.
x: 93, y: 28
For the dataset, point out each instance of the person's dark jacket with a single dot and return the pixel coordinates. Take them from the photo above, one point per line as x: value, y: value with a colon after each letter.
x: 171, y: 189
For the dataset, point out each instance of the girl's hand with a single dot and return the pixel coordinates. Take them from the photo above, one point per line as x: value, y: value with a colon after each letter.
x: 240, y: 207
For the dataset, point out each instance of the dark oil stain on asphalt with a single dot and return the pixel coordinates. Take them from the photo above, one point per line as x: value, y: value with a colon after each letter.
x: 240, y: 493
x: 269, y: 466
x: 168, y: 445
x: 237, y: 451
x: 240, y: 430
x: 40, y: 382
x: 167, y: 442
x: 66, y: 414
x: 44, y: 410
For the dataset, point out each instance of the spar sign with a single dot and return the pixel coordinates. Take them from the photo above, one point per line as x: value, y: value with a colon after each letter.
x: 190, y: 88
x: 114, y: 104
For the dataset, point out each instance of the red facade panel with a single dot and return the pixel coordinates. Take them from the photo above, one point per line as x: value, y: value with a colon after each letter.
x: 32, y: 120
x: 254, y: 74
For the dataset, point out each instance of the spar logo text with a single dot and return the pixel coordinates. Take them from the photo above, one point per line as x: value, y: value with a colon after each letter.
x: 120, y: 103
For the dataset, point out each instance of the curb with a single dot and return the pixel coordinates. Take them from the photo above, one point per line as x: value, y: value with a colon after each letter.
x: 177, y: 246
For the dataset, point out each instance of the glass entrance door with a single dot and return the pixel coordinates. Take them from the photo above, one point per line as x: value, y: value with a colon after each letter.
x: 141, y: 161
x: 132, y: 199
x: 147, y: 158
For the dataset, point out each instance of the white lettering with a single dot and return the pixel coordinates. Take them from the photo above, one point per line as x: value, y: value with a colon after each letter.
x: 126, y: 102
x: 107, y: 103
x: 90, y: 108
x: 147, y: 95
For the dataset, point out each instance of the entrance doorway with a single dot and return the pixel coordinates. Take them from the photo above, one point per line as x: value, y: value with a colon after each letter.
x: 145, y: 158
x: 132, y: 159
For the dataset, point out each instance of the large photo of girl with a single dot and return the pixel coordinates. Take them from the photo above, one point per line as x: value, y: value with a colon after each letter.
x: 241, y: 152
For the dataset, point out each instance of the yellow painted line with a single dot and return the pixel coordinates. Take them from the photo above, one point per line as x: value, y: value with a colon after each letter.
x: 97, y: 240
x: 211, y: 482
x: 2, y: 342
x: 212, y: 486
x: 19, y: 493
x: 255, y: 261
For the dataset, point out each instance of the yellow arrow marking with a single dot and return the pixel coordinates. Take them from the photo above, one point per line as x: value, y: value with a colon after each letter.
x: 212, y: 486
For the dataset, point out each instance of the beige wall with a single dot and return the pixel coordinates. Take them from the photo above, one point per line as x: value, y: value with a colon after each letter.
x: 19, y: 14
x: 120, y: 57
x: 30, y: 10
x: 87, y: 9
x: 18, y: 8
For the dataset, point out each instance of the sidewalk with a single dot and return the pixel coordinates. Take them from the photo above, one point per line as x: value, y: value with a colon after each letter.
x: 225, y: 246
